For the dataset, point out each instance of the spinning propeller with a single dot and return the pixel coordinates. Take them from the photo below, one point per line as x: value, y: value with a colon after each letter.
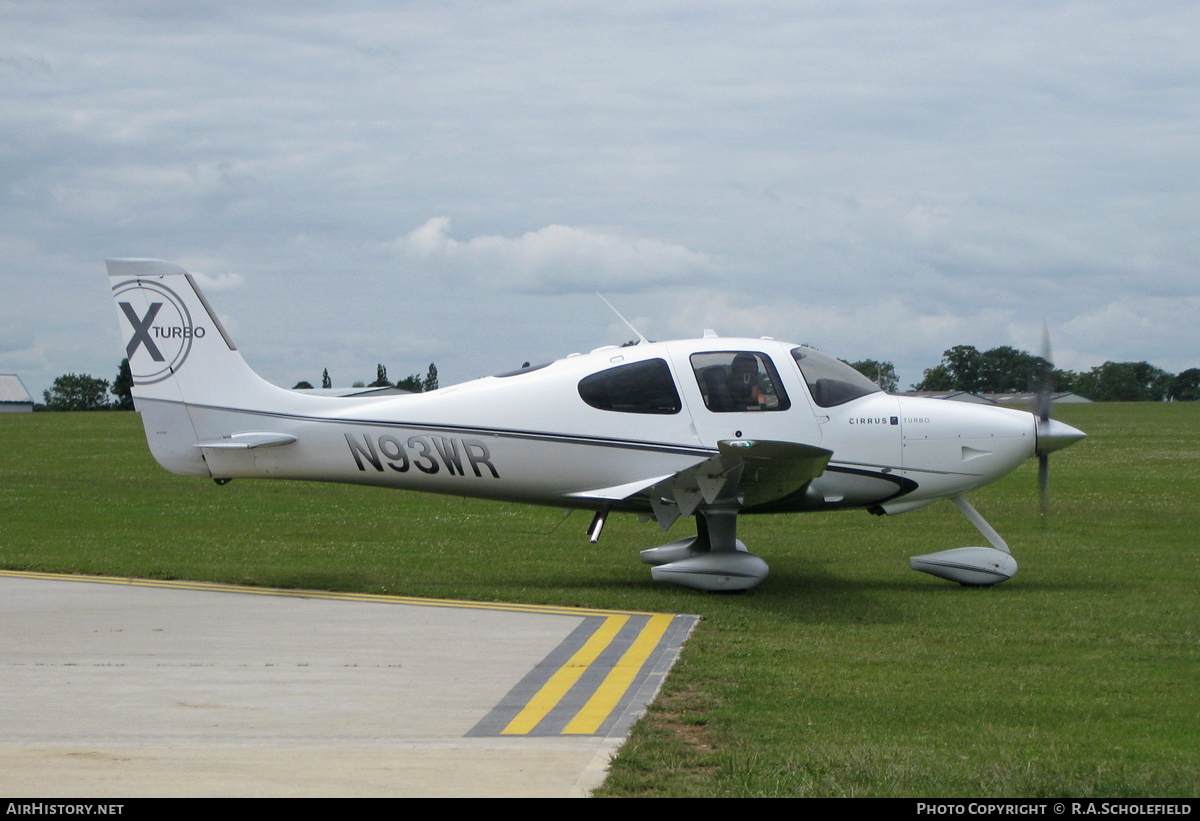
x: 1051, y: 435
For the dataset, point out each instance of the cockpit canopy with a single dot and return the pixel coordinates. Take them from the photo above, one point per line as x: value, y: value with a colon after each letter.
x: 729, y: 381
x: 831, y: 381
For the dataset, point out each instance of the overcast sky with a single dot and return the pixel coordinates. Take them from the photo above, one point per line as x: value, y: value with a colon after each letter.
x: 452, y: 181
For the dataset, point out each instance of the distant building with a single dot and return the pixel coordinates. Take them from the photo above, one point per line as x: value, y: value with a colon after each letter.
x: 13, y: 396
x: 1030, y: 399
x: 953, y: 396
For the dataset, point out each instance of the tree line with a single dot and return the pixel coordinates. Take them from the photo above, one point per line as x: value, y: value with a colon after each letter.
x: 963, y: 368
x: 81, y: 391
x: 413, y: 384
x: 1008, y: 370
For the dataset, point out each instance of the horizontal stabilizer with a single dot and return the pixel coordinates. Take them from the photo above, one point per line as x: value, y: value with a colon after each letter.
x: 248, y: 441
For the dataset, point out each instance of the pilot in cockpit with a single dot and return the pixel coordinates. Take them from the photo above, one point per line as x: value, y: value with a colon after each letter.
x: 745, y: 384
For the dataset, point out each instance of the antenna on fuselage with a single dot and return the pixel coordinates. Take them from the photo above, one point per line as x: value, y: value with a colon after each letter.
x: 641, y: 338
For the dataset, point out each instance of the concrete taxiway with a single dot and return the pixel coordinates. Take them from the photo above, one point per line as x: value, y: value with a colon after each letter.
x: 118, y: 687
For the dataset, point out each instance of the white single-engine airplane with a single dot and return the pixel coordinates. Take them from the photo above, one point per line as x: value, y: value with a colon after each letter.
x: 712, y: 427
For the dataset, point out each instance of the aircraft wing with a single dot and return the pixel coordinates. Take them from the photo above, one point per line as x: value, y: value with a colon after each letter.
x: 743, y: 472
x: 772, y: 470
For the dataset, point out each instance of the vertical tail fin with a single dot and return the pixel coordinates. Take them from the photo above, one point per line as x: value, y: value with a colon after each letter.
x: 177, y: 348
x: 179, y: 356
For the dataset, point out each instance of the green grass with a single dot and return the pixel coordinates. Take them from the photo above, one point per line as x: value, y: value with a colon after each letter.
x: 844, y: 674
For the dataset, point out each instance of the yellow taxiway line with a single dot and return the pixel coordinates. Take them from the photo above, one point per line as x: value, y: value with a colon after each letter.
x: 618, y: 681
x: 553, y: 690
x: 217, y: 587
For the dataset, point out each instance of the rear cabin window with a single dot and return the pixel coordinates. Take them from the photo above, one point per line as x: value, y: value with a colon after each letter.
x: 639, y: 387
x: 733, y: 381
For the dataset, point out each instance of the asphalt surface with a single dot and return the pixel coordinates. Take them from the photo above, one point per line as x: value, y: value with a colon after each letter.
x: 130, y: 688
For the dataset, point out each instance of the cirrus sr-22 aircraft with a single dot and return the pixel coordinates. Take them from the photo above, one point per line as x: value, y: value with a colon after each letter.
x: 713, y: 428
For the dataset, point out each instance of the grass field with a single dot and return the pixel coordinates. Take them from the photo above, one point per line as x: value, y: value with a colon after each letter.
x: 844, y: 674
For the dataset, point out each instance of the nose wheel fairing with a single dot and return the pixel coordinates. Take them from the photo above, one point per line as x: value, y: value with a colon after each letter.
x: 970, y: 566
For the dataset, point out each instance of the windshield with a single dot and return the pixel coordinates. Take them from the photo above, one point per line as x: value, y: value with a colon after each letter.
x: 831, y: 381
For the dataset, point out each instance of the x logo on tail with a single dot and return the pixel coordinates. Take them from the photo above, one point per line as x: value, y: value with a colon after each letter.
x: 141, y: 331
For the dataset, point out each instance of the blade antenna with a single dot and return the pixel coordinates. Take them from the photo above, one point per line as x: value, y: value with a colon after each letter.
x: 560, y: 521
x: 641, y: 339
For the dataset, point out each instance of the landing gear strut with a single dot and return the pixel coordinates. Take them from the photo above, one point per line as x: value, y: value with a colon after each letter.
x: 714, y: 559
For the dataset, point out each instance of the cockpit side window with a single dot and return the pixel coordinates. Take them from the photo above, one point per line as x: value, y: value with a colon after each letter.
x: 831, y: 381
x: 639, y: 387
x: 732, y: 381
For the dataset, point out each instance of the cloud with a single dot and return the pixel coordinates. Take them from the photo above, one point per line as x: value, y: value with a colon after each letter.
x: 220, y: 282
x: 910, y: 335
x: 15, y: 339
x: 26, y: 360
x: 881, y: 184
x: 824, y: 325
x: 1157, y: 329
x: 556, y: 259
x: 913, y: 335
